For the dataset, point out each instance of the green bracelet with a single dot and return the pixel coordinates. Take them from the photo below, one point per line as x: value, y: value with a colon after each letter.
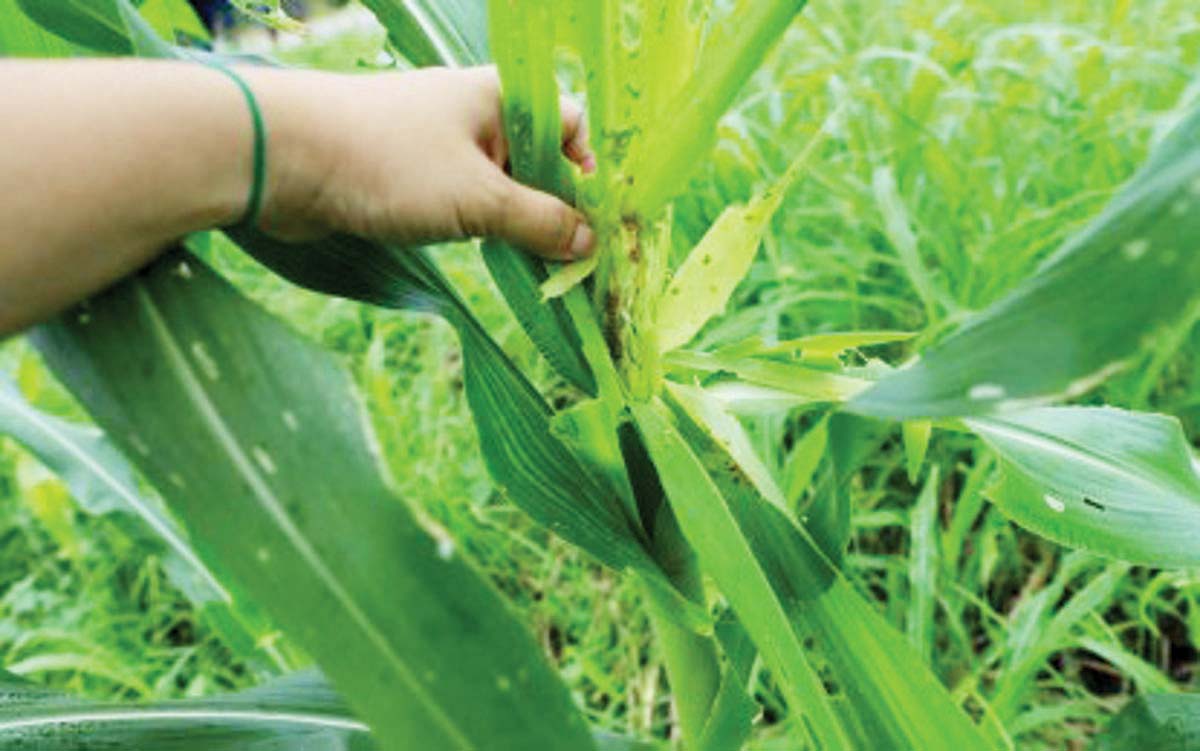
x: 258, y: 188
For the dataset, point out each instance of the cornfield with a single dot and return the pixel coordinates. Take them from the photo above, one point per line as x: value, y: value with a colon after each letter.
x: 671, y: 410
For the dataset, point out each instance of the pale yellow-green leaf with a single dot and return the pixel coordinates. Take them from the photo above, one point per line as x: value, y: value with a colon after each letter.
x: 702, y: 286
x: 916, y: 445
x: 828, y: 347
x: 566, y: 277
x: 802, y: 462
x: 704, y: 283
x: 49, y: 500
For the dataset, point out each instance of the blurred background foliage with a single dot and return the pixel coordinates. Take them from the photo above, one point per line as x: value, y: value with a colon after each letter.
x: 1004, y: 126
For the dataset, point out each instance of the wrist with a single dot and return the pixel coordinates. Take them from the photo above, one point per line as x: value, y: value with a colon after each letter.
x: 301, y: 144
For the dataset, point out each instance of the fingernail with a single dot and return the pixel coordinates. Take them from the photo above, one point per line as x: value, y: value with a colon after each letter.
x: 589, y: 164
x: 582, y: 242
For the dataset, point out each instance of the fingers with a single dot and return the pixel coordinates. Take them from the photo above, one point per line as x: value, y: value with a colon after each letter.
x: 575, y: 136
x: 534, y: 221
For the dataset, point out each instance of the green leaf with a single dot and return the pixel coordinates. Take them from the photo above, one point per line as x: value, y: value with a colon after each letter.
x: 534, y: 129
x: 445, y: 32
x: 1045, y: 624
x: 805, y: 384
x: 520, y: 277
x: 825, y: 348
x: 785, y: 591
x: 712, y: 529
x: 173, y: 17
x: 1164, y: 722
x: 222, y: 395
x: 539, y: 472
x: 21, y: 37
x: 701, y: 288
x: 923, y: 567
x: 803, y: 460
x: 916, y: 434
x: 897, y: 226
x: 299, y: 711
x: 100, y: 479
x: 732, y: 718
x: 94, y: 24
x: 734, y: 50
x: 568, y: 276
x: 1058, y: 334
x: 1121, y: 484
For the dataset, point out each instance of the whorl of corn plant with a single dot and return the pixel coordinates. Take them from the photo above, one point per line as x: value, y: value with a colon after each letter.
x: 650, y: 471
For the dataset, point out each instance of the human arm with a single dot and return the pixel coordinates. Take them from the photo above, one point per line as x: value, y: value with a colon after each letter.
x: 104, y: 163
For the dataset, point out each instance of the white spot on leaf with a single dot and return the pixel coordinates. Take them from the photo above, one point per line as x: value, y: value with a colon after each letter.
x: 263, y: 555
x: 1055, y: 503
x: 138, y: 444
x: 445, y: 548
x: 264, y: 460
x: 207, y: 364
x: 982, y: 392
x: 1135, y: 249
x: 183, y: 270
x: 290, y: 420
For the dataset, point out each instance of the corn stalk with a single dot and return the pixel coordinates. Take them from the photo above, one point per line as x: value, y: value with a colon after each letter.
x: 649, y: 472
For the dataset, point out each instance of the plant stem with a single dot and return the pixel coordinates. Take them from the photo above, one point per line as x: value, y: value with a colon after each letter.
x: 693, y: 668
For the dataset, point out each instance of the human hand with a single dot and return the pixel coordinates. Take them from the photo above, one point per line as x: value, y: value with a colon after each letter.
x: 409, y: 158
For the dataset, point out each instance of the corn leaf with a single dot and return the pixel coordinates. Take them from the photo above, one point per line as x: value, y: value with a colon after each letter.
x: 21, y: 37
x: 785, y: 590
x: 712, y: 529
x: 523, y: 39
x: 93, y: 24
x: 1117, y: 483
x: 222, y: 393
x: 916, y: 435
x: 923, y: 568
x: 171, y: 18
x: 446, y: 32
x: 731, y: 54
x: 100, y: 479
x: 803, y: 460
x: 803, y: 384
x: 702, y: 286
x: 539, y: 473
x: 567, y: 277
x: 1161, y: 722
x: 299, y: 712
x: 827, y: 348
x: 1057, y: 334
x: 731, y: 721
x: 520, y: 277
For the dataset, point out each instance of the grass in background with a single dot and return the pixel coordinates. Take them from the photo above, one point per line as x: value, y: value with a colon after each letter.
x: 965, y: 141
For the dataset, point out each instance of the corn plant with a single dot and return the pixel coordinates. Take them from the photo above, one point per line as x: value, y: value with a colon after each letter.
x: 272, y: 470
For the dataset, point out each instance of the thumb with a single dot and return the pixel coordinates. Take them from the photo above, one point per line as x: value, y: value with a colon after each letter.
x: 537, y: 222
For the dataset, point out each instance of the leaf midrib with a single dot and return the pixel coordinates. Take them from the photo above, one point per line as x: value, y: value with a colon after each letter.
x: 114, y: 716
x: 262, y: 492
x: 169, y: 535
x: 1073, y: 451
